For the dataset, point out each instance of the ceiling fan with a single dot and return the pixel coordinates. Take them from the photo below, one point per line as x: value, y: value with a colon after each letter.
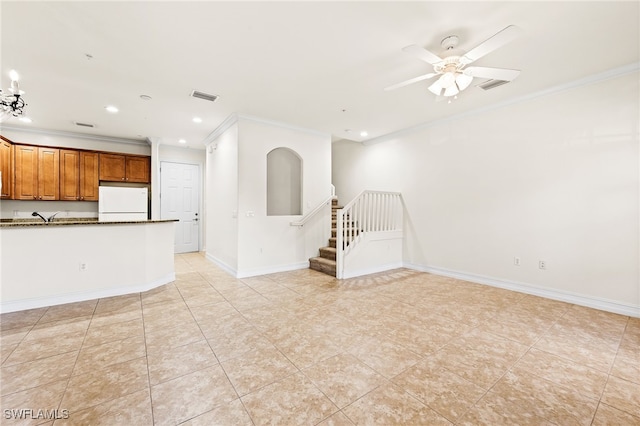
x: 451, y: 66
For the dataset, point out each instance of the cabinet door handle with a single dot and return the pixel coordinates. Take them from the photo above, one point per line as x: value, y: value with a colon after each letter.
x: 35, y: 198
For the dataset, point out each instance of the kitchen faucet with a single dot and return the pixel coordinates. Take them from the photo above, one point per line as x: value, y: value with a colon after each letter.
x: 50, y: 219
x: 38, y: 214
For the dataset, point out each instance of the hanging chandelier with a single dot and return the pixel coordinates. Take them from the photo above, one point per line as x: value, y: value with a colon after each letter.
x: 12, y: 101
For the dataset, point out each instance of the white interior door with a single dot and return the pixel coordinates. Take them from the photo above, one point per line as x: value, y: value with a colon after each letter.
x: 180, y: 199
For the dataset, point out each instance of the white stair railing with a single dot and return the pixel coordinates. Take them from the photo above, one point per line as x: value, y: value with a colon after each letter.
x: 370, y: 211
x: 316, y: 210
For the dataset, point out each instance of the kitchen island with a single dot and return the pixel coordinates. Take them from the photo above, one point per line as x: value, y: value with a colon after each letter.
x: 44, y: 264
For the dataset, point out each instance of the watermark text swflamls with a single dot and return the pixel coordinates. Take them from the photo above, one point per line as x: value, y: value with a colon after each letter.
x: 36, y: 414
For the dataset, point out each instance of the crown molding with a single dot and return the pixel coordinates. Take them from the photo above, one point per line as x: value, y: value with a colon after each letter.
x: 235, y: 117
x: 228, y: 122
x: 283, y: 125
x: 143, y: 142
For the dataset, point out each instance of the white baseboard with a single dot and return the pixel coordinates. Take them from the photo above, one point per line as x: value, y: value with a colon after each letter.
x: 273, y: 270
x: 255, y: 272
x: 221, y: 264
x: 564, y: 296
x: 374, y: 270
x: 40, y: 302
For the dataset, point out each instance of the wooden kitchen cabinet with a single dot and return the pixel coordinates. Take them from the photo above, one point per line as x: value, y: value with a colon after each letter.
x: 78, y: 175
x: 124, y: 168
x: 89, y: 182
x: 138, y: 169
x: 6, y: 169
x: 69, y: 175
x: 37, y: 172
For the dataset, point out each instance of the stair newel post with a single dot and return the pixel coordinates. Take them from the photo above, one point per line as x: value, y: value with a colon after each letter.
x: 339, y: 243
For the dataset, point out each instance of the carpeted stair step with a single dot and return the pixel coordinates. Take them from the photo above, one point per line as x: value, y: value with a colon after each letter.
x: 323, y: 265
x: 328, y: 253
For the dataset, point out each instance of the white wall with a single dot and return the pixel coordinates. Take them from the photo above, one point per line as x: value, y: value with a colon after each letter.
x: 553, y: 178
x: 270, y: 243
x: 253, y: 243
x: 41, y: 264
x: 221, y: 208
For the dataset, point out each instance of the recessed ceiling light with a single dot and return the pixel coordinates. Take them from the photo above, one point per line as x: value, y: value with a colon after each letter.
x: 182, y: 141
x: 145, y: 97
x: 364, y: 134
x: 25, y: 119
x: 197, y: 120
x: 111, y: 109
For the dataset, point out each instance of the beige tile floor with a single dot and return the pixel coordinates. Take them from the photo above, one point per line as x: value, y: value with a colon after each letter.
x: 300, y: 347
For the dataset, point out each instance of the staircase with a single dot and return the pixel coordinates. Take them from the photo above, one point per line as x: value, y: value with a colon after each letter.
x: 326, y: 262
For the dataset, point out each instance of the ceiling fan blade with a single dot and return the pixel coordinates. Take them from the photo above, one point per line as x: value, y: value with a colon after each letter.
x: 492, y: 73
x: 503, y: 37
x: 411, y: 81
x: 422, y: 53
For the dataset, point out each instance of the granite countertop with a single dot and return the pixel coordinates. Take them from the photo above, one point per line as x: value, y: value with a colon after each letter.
x: 13, y: 223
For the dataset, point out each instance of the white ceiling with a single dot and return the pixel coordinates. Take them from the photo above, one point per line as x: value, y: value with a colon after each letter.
x: 300, y: 63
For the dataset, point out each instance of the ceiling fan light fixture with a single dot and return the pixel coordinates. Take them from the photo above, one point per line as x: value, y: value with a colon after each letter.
x: 447, y: 80
x: 451, y: 65
x: 463, y: 81
x: 436, y: 88
x: 451, y: 91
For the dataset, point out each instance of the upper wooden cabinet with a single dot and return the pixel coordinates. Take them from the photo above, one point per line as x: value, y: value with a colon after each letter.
x: 138, y: 169
x: 124, y: 168
x: 69, y: 175
x: 36, y: 173
x: 31, y: 172
x: 89, y: 182
x: 6, y: 169
x: 78, y: 175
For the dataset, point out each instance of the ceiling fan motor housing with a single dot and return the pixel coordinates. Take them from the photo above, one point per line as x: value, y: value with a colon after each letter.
x: 448, y: 64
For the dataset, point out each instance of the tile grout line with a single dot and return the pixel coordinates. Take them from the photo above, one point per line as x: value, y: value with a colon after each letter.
x: 66, y: 388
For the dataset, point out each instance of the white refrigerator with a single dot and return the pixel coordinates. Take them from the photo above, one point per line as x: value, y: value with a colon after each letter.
x: 119, y: 204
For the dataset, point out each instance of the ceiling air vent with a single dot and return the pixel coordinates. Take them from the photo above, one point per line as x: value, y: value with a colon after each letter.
x: 205, y: 96
x: 77, y: 123
x: 492, y: 84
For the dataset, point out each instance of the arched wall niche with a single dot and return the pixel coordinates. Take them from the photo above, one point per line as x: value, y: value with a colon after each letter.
x: 284, y: 182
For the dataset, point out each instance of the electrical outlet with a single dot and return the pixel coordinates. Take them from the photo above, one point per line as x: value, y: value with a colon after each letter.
x: 82, y: 266
x: 516, y: 261
x: 542, y: 264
